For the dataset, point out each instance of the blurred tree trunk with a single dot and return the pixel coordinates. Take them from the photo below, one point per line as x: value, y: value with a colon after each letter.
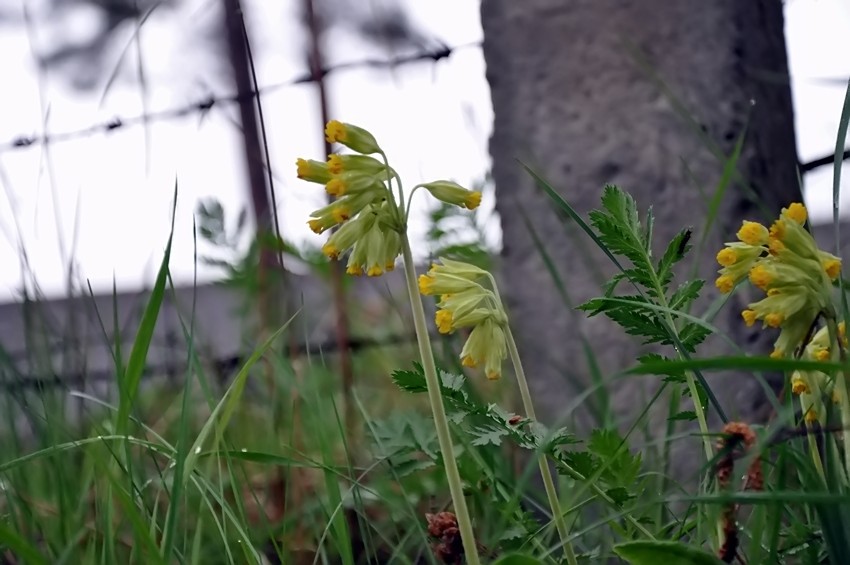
x: 572, y: 99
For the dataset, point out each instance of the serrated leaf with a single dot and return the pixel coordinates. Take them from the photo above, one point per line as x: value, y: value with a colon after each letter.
x: 651, y: 552
x: 561, y: 437
x: 452, y: 382
x: 411, y: 381
x: 685, y: 415
x: 581, y: 461
x: 621, y: 467
x: 659, y: 363
x: 513, y: 532
x: 675, y: 252
x: 686, y: 294
x: 619, y: 495
x: 692, y: 334
x: 486, y: 435
x: 604, y: 442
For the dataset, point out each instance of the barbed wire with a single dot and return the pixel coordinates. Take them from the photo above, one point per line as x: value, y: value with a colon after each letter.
x: 24, y: 141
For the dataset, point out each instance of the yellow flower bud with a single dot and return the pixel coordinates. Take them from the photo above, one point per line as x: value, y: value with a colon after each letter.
x: 753, y: 233
x: 351, y: 136
x: 338, y: 164
x: 725, y: 284
x: 796, y: 212
x: 727, y: 257
x: 452, y: 193
x: 798, y: 384
x: 313, y: 171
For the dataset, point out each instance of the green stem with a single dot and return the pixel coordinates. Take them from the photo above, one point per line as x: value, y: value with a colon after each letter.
x: 815, y: 452
x: 841, y: 383
x: 548, y: 483
x: 700, y: 412
x: 440, y: 421
x: 692, y: 389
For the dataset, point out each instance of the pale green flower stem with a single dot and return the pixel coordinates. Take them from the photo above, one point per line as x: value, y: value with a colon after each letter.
x: 841, y: 383
x: 544, y: 469
x: 440, y: 421
x: 545, y: 473
x: 815, y: 452
x: 691, y: 382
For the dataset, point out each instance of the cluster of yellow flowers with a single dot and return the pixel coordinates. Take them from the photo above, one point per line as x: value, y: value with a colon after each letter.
x: 465, y: 303
x: 811, y: 386
x: 784, y: 262
x: 369, y: 219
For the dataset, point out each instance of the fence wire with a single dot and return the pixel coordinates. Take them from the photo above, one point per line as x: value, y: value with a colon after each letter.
x: 207, y: 103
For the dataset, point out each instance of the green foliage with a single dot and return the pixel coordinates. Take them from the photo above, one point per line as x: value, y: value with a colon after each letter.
x: 649, y: 313
x: 669, y: 553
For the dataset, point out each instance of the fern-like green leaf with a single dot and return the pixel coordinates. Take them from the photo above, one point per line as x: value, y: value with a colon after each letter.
x: 684, y: 296
x: 676, y: 250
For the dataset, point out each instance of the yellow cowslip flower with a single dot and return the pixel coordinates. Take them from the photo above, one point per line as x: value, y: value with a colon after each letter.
x: 338, y: 164
x: 344, y: 209
x: 749, y: 316
x: 450, y: 277
x: 753, y: 233
x: 433, y: 284
x: 466, y: 303
x: 353, y: 182
x: 798, y: 383
x: 811, y: 415
x: 796, y: 212
x: 325, y: 218
x: 486, y: 345
x: 737, y: 259
x: 465, y: 307
x: 794, y: 329
x: 377, y: 245
x: 794, y: 273
x: 725, y: 284
x: 727, y: 257
x: 453, y: 193
x: 351, y: 136
x: 830, y: 263
x: 775, y: 308
x: 822, y: 354
x: 809, y: 386
x: 443, y: 319
x: 348, y: 234
x: 313, y: 171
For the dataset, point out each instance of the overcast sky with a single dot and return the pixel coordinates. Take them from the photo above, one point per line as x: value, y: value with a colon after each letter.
x: 107, y: 197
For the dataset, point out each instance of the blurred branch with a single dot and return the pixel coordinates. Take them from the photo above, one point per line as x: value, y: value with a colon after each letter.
x: 822, y: 161
x: 202, y: 106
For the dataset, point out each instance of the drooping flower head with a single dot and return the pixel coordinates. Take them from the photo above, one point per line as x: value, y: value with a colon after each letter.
x: 785, y: 263
x: 812, y: 386
x: 369, y: 222
x: 466, y: 303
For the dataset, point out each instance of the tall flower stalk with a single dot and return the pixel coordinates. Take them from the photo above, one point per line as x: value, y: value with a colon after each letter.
x: 466, y: 303
x: 371, y: 227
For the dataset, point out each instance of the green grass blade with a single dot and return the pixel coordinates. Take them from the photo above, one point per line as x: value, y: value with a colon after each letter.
x: 129, y: 384
x: 224, y: 409
x: 177, y: 483
x: 841, y: 140
x: 20, y: 547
